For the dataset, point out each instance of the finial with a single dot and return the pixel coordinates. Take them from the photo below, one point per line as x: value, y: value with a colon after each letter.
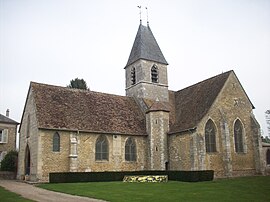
x: 140, y: 7
x: 147, y: 16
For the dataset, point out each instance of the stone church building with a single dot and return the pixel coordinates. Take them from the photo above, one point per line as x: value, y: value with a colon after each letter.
x: 209, y: 125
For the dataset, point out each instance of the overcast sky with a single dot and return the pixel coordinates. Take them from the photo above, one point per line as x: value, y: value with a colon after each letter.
x: 54, y: 41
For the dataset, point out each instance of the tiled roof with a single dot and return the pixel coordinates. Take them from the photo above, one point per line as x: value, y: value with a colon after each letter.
x: 156, y: 106
x: 265, y: 144
x: 4, y: 119
x: 192, y: 103
x: 65, y: 108
x: 145, y: 47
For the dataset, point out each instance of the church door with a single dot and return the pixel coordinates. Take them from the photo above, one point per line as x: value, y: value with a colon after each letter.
x: 166, y: 165
x: 268, y: 157
x: 27, y: 160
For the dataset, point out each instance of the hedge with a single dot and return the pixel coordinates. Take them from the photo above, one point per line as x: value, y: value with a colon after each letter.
x: 185, y: 176
x: 9, y: 163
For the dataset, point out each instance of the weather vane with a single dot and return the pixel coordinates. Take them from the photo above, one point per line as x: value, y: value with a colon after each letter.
x: 147, y: 15
x: 140, y: 7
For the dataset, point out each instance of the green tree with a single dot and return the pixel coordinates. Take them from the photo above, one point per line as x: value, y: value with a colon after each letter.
x: 9, y: 163
x: 79, y: 84
x: 266, y: 139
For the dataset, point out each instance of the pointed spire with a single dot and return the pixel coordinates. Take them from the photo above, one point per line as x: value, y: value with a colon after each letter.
x: 145, y: 47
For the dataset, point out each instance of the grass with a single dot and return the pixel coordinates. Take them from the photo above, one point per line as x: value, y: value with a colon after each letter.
x: 236, y: 189
x: 7, y: 196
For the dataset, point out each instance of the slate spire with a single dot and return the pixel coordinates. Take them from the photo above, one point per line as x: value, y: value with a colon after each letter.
x: 145, y: 47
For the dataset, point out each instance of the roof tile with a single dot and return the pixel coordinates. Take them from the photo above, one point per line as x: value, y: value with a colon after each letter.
x: 145, y: 47
x: 65, y: 108
x: 192, y: 103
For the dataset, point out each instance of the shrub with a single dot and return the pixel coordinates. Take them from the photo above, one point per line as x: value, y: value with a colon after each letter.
x: 9, y: 163
x: 186, y: 176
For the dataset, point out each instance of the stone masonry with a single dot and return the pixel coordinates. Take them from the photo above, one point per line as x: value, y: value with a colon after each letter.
x: 225, y: 162
x: 144, y: 87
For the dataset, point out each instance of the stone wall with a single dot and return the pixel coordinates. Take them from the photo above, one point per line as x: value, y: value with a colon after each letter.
x: 6, y: 175
x: 187, y: 150
x: 265, y: 148
x: 11, y: 143
x: 157, y: 127
x: 144, y: 88
x: 85, y: 159
x: 180, y: 151
x: 31, y: 139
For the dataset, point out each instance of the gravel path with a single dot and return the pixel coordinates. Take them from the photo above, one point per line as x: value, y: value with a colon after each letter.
x: 37, y: 194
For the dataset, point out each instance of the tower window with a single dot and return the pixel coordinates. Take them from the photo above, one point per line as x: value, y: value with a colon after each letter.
x: 154, y: 74
x: 133, y: 76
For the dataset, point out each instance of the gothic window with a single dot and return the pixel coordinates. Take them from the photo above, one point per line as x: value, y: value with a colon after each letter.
x: 28, y: 126
x: 56, y: 142
x: 102, y: 148
x: 130, y: 150
x: 154, y: 74
x: 210, y: 136
x: 268, y: 157
x: 133, y: 76
x: 238, y: 136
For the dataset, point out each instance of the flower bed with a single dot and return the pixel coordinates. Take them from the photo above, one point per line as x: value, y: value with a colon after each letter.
x: 146, y: 178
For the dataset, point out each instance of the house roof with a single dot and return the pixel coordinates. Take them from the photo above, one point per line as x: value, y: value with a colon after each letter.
x: 145, y: 47
x: 4, y: 119
x: 265, y: 144
x: 74, y: 109
x: 192, y: 103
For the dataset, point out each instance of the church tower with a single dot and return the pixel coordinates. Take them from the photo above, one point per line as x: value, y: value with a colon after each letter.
x: 146, y: 69
x: 147, y: 82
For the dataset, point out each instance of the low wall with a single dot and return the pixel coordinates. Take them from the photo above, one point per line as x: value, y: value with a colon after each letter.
x: 7, y: 175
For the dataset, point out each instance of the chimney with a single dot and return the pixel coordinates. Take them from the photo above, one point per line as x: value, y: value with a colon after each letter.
x: 7, y: 113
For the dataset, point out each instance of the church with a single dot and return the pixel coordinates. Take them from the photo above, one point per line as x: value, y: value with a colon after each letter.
x: 207, y: 126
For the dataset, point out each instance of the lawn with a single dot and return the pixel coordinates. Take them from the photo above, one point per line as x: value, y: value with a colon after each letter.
x: 237, y: 189
x: 7, y: 196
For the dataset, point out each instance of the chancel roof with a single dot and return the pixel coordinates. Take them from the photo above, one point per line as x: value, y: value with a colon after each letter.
x: 74, y: 109
x: 145, y: 47
x: 190, y: 105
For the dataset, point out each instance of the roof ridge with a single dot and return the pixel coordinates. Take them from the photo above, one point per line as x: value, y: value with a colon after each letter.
x: 74, y: 89
x: 228, y: 72
x: 5, y: 119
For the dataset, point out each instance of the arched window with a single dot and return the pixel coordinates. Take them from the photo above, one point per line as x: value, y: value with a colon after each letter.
x: 133, y: 76
x: 102, y: 148
x: 28, y: 126
x: 238, y: 136
x: 268, y: 157
x: 130, y: 150
x: 154, y: 74
x: 210, y: 136
x: 56, y: 142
